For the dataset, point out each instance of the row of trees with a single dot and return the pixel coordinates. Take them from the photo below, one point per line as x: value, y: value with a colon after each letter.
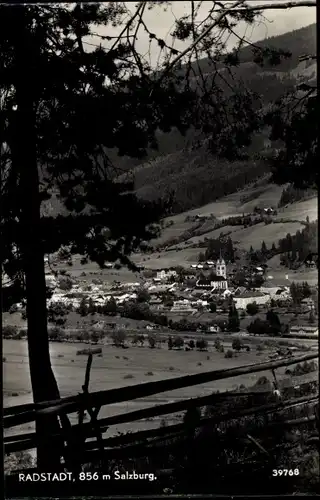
x: 215, y: 247
x: 300, y: 291
x: 270, y: 326
x: 290, y: 194
x: 300, y: 245
x: 119, y: 338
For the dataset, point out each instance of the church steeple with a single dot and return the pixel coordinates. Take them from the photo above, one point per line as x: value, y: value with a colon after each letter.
x: 221, y: 268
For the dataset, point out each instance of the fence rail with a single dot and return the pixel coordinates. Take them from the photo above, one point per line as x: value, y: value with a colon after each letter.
x: 14, y: 416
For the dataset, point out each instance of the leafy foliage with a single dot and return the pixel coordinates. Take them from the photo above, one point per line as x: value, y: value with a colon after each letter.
x: 294, y: 123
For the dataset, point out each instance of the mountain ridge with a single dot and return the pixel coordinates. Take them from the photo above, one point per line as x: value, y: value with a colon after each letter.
x: 169, y: 169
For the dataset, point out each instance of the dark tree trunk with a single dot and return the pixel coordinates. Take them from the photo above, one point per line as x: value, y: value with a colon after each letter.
x: 24, y: 159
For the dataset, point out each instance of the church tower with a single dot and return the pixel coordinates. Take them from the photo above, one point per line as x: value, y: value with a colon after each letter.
x: 221, y: 268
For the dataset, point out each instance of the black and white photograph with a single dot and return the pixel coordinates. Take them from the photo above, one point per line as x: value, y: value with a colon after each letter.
x: 159, y: 248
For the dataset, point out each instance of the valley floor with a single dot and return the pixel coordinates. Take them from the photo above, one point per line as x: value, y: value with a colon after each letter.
x: 119, y: 368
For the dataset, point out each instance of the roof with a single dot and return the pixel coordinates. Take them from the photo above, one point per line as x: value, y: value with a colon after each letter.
x: 246, y: 295
x: 203, y: 282
x: 276, y: 283
x: 304, y: 327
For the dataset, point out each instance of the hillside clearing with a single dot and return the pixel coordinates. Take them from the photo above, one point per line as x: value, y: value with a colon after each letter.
x: 300, y: 210
x: 271, y: 233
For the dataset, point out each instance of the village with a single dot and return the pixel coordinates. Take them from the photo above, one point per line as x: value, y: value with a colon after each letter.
x: 202, y: 298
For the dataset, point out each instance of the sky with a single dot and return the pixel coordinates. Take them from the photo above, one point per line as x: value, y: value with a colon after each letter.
x: 160, y: 21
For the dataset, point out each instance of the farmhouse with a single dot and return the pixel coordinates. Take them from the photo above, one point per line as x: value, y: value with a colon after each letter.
x: 182, y: 306
x: 282, y: 294
x: 217, y: 283
x: 241, y: 301
x: 259, y: 271
x: 268, y: 210
x: 213, y: 329
x: 165, y: 274
x: 273, y: 289
x: 304, y: 330
x: 308, y: 302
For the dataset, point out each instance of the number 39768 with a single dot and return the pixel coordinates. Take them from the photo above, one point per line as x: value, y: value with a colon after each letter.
x: 285, y: 472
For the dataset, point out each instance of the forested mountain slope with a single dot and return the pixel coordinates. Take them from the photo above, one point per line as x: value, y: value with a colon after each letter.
x: 185, y: 167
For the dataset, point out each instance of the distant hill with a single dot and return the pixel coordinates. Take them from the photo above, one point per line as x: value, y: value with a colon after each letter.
x: 194, y: 175
x: 188, y: 170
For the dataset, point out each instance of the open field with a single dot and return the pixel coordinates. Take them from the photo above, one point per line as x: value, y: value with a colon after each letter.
x: 92, y: 271
x: 119, y: 368
x: 173, y: 231
x: 165, y: 260
x: 235, y: 204
x: 300, y: 210
x: 292, y: 218
x: 271, y: 233
x: 213, y: 234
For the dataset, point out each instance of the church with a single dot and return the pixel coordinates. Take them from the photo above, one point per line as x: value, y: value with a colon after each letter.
x: 217, y: 282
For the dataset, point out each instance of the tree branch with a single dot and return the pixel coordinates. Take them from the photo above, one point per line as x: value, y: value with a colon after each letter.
x: 200, y: 37
x: 288, y: 5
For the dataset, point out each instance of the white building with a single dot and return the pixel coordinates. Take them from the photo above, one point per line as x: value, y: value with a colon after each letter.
x: 182, y: 306
x: 304, y: 330
x: 214, y: 329
x: 282, y: 294
x: 221, y: 268
x: 241, y: 301
x: 273, y: 291
x: 164, y: 274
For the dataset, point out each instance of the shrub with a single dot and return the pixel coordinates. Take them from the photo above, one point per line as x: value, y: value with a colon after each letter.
x: 56, y: 334
x: 178, y: 342
x: 9, y: 331
x: 65, y: 283
x: 95, y: 336
x: 171, y: 368
x: 152, y: 340
x: 18, y: 460
x: 237, y: 345
x: 135, y: 339
x: 221, y: 348
x: 128, y: 376
x: 13, y: 309
x: 229, y: 354
x: 191, y: 344
x: 264, y: 381
x: 303, y: 368
x: 217, y: 344
x: 201, y: 344
x: 119, y: 337
x: 4, y: 360
x: 149, y: 373
x: 252, y: 309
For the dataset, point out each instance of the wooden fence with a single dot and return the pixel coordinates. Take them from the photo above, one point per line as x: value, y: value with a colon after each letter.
x: 92, y: 403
